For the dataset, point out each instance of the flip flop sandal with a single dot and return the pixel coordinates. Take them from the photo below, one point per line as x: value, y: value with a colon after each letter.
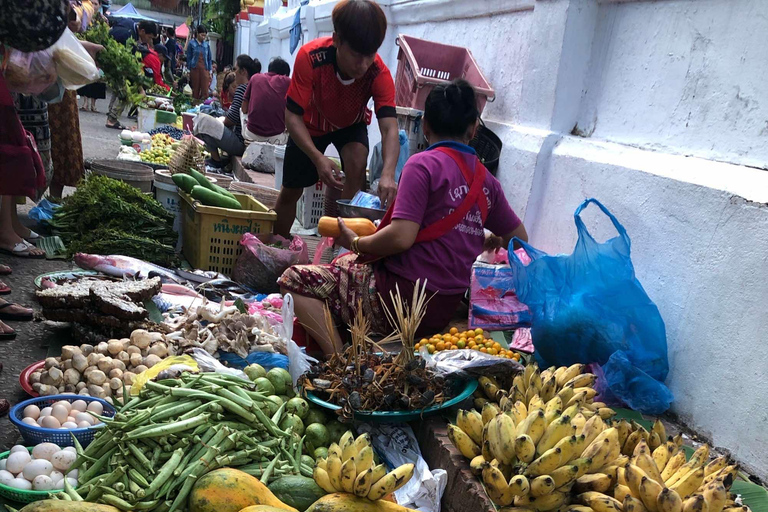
x: 117, y: 126
x: 7, y: 315
x: 33, y: 237
x: 5, y: 270
x: 4, y: 288
x: 22, y: 250
x: 7, y: 336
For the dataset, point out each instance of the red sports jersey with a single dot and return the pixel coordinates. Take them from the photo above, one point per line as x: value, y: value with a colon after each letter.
x: 328, y: 104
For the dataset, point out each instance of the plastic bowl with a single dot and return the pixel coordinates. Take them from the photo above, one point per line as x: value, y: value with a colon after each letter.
x: 24, y: 377
x: 400, y: 416
x: 35, y: 435
x: 21, y: 495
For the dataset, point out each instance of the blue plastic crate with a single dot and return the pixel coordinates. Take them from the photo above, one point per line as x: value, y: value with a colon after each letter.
x: 35, y: 435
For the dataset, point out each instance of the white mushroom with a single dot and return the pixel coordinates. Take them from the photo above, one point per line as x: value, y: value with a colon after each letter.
x: 114, y: 347
x: 151, y: 360
x: 102, y: 348
x: 51, y: 362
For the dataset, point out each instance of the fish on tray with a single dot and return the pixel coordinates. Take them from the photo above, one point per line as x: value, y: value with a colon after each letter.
x: 124, y: 266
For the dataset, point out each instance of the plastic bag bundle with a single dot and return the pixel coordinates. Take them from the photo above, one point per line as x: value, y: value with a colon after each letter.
x: 28, y: 73
x: 366, y: 200
x: 187, y: 156
x: 589, y: 307
x: 265, y: 258
x: 469, y: 364
x: 74, y: 64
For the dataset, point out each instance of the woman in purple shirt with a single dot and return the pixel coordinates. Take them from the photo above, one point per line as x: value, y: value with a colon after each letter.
x: 435, y: 230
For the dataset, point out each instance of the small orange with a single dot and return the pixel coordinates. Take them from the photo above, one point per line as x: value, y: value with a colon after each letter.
x: 479, y: 339
x: 484, y: 350
x: 454, y: 347
x: 497, y: 346
x: 471, y: 344
x: 424, y: 341
x: 478, y: 331
x: 440, y: 345
x: 431, y: 348
x: 417, y: 346
x: 454, y: 330
x: 461, y: 343
x: 488, y: 344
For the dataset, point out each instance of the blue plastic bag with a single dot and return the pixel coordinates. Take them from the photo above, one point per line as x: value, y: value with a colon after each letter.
x: 589, y: 307
x: 43, y: 212
x: 268, y: 360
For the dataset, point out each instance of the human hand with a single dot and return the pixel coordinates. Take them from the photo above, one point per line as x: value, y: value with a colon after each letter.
x: 346, y: 236
x: 387, y: 190
x: 492, y: 243
x: 329, y: 172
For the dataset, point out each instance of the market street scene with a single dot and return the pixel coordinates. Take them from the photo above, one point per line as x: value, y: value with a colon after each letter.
x: 383, y: 256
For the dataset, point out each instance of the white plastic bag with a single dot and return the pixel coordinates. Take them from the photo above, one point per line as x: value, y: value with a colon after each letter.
x: 208, y: 363
x: 397, y: 445
x: 298, y: 361
x: 74, y: 64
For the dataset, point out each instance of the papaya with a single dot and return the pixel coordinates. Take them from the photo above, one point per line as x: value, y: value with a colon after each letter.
x: 261, y: 508
x: 230, y: 490
x: 67, y: 506
x: 212, y: 198
x: 329, y: 226
x: 343, y: 502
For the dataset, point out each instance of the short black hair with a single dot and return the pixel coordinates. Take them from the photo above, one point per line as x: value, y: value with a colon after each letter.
x: 150, y: 27
x: 451, y: 110
x: 160, y: 49
x: 201, y: 29
x: 252, y: 66
x: 361, y: 24
x: 279, y: 67
x: 170, y: 32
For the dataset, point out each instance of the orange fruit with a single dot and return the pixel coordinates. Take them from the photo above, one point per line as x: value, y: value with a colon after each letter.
x: 497, y: 346
x: 454, y: 330
x: 478, y: 331
x: 440, y: 345
x: 479, y: 339
x: 484, y: 350
x: 488, y: 344
x: 454, y: 347
x: 431, y: 348
x: 424, y: 341
x: 461, y: 343
x: 417, y: 346
x: 492, y: 351
x: 471, y: 344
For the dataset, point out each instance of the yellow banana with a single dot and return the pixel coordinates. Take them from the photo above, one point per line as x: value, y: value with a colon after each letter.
x: 549, y: 372
x: 649, y: 493
x: 579, y: 399
x: 661, y: 455
x: 565, y: 394
x: 623, y: 427
x: 641, y: 447
x: 571, y: 448
x: 606, y: 412
x: 377, y: 473
x: 700, y: 456
x: 334, y: 448
x: 654, y: 441
x: 490, y: 387
x: 633, y: 504
x: 533, y: 425
x: 489, y: 412
x: 658, y: 428
x: 506, y: 439
x: 689, y: 483
x: 551, y: 415
x: 364, y: 460
x: 631, y: 443
x: 645, y: 462
x: 542, y: 485
x: 599, y: 502
x: 674, y: 463
x: 520, y: 384
x: 597, y: 482
x: 548, y: 388
x: 528, y: 371
x: 323, y: 480
x: 542, y: 503
x: 620, y: 492
x: 592, y: 428
x: 321, y: 463
x: 536, y: 403
x: 569, y: 373
x: 583, y: 380
x: 564, y: 475
x: 603, y: 449
x: 591, y: 392
x: 669, y: 501
x: 621, y: 475
x: 348, y: 450
x: 716, y: 465
x: 497, y: 486
x: 391, y: 482
x: 462, y: 442
x: 571, y: 411
x: 479, y: 403
x: 346, y: 438
x: 575, y: 508
x: 634, y: 476
x: 519, y: 412
x: 743, y: 508
x: 715, y: 495
x: 471, y: 422
x: 535, y: 380
x: 578, y: 422
x: 362, y: 441
x: 348, y: 475
x: 678, y: 439
x: 695, y: 503
x: 519, y: 485
x: 729, y: 470
x: 525, y: 450
x: 556, y: 431
x: 476, y: 465
x: 486, y: 451
x: 363, y: 483
x: 505, y: 403
x: 546, y: 464
x: 334, y: 470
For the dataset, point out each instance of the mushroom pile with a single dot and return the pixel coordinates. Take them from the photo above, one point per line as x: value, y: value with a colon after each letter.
x: 100, y: 370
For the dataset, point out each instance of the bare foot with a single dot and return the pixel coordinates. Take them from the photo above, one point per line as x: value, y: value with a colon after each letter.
x: 6, y: 329
x: 15, y: 310
x: 5, y: 270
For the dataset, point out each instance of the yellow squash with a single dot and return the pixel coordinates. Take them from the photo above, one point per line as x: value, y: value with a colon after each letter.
x: 230, y: 490
x: 329, y: 226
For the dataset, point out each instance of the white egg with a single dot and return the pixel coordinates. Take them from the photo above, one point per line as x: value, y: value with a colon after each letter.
x: 17, y: 461
x: 20, y: 483
x: 42, y: 483
x: 32, y: 411
x: 3, y: 462
x: 62, y: 460
x: 84, y: 416
x: 73, y: 474
x: 36, y: 468
x: 30, y: 421
x: 69, y: 425
x: 84, y: 424
x: 79, y: 405
x: 45, y: 411
x: 95, y: 408
x: 6, y: 477
x: 19, y: 448
x: 49, y: 422
x: 71, y: 419
x: 60, y: 413
x: 45, y: 451
x: 70, y: 449
x: 56, y: 475
x: 59, y: 484
x: 65, y: 403
x: 71, y: 481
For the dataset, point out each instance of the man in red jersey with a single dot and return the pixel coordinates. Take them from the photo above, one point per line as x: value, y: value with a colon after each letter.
x: 333, y: 80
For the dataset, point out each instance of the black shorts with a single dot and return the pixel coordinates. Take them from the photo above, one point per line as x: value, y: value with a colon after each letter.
x: 298, y: 169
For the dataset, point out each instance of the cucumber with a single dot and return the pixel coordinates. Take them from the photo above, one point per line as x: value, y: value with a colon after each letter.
x: 211, y: 198
x: 184, y: 181
x: 202, y: 180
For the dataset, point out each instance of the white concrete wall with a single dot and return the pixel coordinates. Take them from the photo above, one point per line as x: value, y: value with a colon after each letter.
x: 668, y: 106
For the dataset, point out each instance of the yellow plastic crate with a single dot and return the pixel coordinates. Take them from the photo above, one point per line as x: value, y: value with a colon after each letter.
x: 212, y: 235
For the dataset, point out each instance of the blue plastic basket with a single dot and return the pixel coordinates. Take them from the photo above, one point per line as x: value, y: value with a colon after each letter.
x: 22, y: 495
x: 35, y: 435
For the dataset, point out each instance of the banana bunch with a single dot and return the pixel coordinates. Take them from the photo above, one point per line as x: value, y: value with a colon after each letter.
x: 533, y: 457
x: 534, y: 388
x: 661, y: 480
x: 350, y: 468
x: 631, y: 433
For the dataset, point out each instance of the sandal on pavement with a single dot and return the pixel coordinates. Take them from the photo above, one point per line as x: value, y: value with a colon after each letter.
x: 5, y: 270
x: 9, y: 315
x: 116, y: 126
x: 33, y: 237
x: 6, y: 332
x: 22, y: 250
x: 4, y: 288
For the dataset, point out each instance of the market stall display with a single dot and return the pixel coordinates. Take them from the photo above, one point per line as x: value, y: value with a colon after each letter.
x: 471, y: 340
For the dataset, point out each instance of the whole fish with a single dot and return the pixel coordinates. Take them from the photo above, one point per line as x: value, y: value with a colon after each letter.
x: 124, y: 266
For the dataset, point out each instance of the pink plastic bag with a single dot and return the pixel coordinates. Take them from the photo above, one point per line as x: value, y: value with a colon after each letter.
x: 265, y: 258
x: 493, y: 303
x: 28, y: 73
x: 325, y: 244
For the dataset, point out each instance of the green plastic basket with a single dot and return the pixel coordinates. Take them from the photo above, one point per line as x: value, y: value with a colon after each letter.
x: 19, y: 495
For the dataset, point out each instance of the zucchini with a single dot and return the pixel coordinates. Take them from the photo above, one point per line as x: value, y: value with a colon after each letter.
x: 211, y: 198
x: 202, y: 180
x: 184, y: 181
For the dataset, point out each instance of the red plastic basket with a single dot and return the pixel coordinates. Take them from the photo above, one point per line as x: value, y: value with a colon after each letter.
x: 24, y: 377
x: 421, y: 65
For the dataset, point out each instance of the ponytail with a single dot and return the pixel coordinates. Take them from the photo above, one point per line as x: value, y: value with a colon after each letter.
x: 451, y: 110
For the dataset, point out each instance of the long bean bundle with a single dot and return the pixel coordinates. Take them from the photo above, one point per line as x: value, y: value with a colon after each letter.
x: 159, y: 443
